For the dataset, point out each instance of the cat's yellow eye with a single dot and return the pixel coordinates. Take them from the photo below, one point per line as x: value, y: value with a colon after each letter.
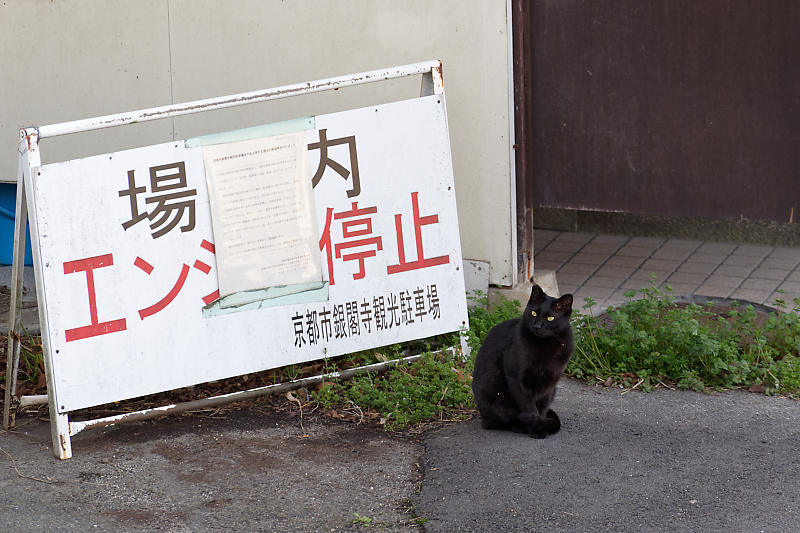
x: 551, y: 318
x: 533, y: 313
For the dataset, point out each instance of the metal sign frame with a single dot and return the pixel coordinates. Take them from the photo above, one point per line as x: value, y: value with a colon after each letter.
x: 30, y: 161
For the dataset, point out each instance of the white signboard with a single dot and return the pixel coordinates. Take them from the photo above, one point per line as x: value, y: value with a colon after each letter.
x: 130, y: 267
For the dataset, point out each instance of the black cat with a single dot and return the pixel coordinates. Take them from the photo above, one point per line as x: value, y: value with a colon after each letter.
x: 519, y: 364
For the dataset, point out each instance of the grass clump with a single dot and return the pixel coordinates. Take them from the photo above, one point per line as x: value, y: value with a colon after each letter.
x: 433, y: 387
x: 361, y: 520
x: 31, y: 373
x: 653, y: 339
x: 436, y: 386
x: 648, y: 341
x: 483, y: 317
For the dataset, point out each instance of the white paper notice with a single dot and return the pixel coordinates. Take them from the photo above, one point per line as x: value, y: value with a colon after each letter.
x: 262, y: 213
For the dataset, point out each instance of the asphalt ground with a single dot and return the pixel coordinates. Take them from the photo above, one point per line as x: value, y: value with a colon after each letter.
x: 623, y: 461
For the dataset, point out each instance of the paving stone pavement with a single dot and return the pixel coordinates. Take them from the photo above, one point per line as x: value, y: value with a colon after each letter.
x: 604, y: 267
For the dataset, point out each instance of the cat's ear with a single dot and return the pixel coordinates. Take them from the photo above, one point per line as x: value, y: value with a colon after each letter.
x: 537, y: 294
x: 563, y: 304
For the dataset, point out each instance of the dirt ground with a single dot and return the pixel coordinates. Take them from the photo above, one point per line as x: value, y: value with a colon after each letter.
x: 247, y: 468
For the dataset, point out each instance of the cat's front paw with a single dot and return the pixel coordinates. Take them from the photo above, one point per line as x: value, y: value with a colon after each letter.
x: 554, y: 424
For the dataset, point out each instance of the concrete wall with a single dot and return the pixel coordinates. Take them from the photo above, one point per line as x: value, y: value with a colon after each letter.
x: 70, y: 59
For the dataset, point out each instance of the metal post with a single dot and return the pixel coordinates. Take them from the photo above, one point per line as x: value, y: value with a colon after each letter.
x: 28, y: 150
x: 174, y: 110
x: 29, y: 161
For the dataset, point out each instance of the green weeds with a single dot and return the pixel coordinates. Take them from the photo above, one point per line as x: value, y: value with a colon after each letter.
x: 361, y: 520
x: 648, y: 341
x: 654, y: 340
x: 483, y: 317
x: 30, y: 376
x: 437, y: 386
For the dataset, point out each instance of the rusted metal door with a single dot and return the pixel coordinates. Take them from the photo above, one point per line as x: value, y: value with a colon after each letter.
x: 669, y: 107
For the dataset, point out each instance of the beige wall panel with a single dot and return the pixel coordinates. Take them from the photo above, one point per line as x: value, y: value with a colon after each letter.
x: 243, y: 45
x: 72, y: 59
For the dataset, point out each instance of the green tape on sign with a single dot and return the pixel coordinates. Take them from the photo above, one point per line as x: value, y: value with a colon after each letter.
x: 269, y: 297
x: 256, y: 132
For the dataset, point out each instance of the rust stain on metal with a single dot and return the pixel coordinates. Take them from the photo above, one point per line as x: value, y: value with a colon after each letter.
x: 29, y: 137
x: 437, y: 70
x: 62, y: 439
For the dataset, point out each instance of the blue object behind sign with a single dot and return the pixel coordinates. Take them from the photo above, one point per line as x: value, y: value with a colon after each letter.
x: 8, y: 205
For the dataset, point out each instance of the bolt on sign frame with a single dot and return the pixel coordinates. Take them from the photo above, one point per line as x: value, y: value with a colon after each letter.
x: 429, y: 205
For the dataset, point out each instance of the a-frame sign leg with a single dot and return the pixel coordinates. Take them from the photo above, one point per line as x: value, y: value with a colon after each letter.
x: 29, y: 159
x: 17, y: 273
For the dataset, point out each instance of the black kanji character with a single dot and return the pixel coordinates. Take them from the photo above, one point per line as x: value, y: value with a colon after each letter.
x: 379, y: 311
x: 366, y: 315
x: 406, y: 309
x: 391, y: 310
x: 312, y: 327
x: 170, y: 207
x: 419, y: 303
x: 299, y: 339
x: 325, y: 161
x: 325, y: 323
x: 433, y: 302
x: 339, y: 322
x: 352, y: 318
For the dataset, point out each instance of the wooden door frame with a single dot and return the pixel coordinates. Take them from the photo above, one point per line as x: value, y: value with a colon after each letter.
x: 522, y: 143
